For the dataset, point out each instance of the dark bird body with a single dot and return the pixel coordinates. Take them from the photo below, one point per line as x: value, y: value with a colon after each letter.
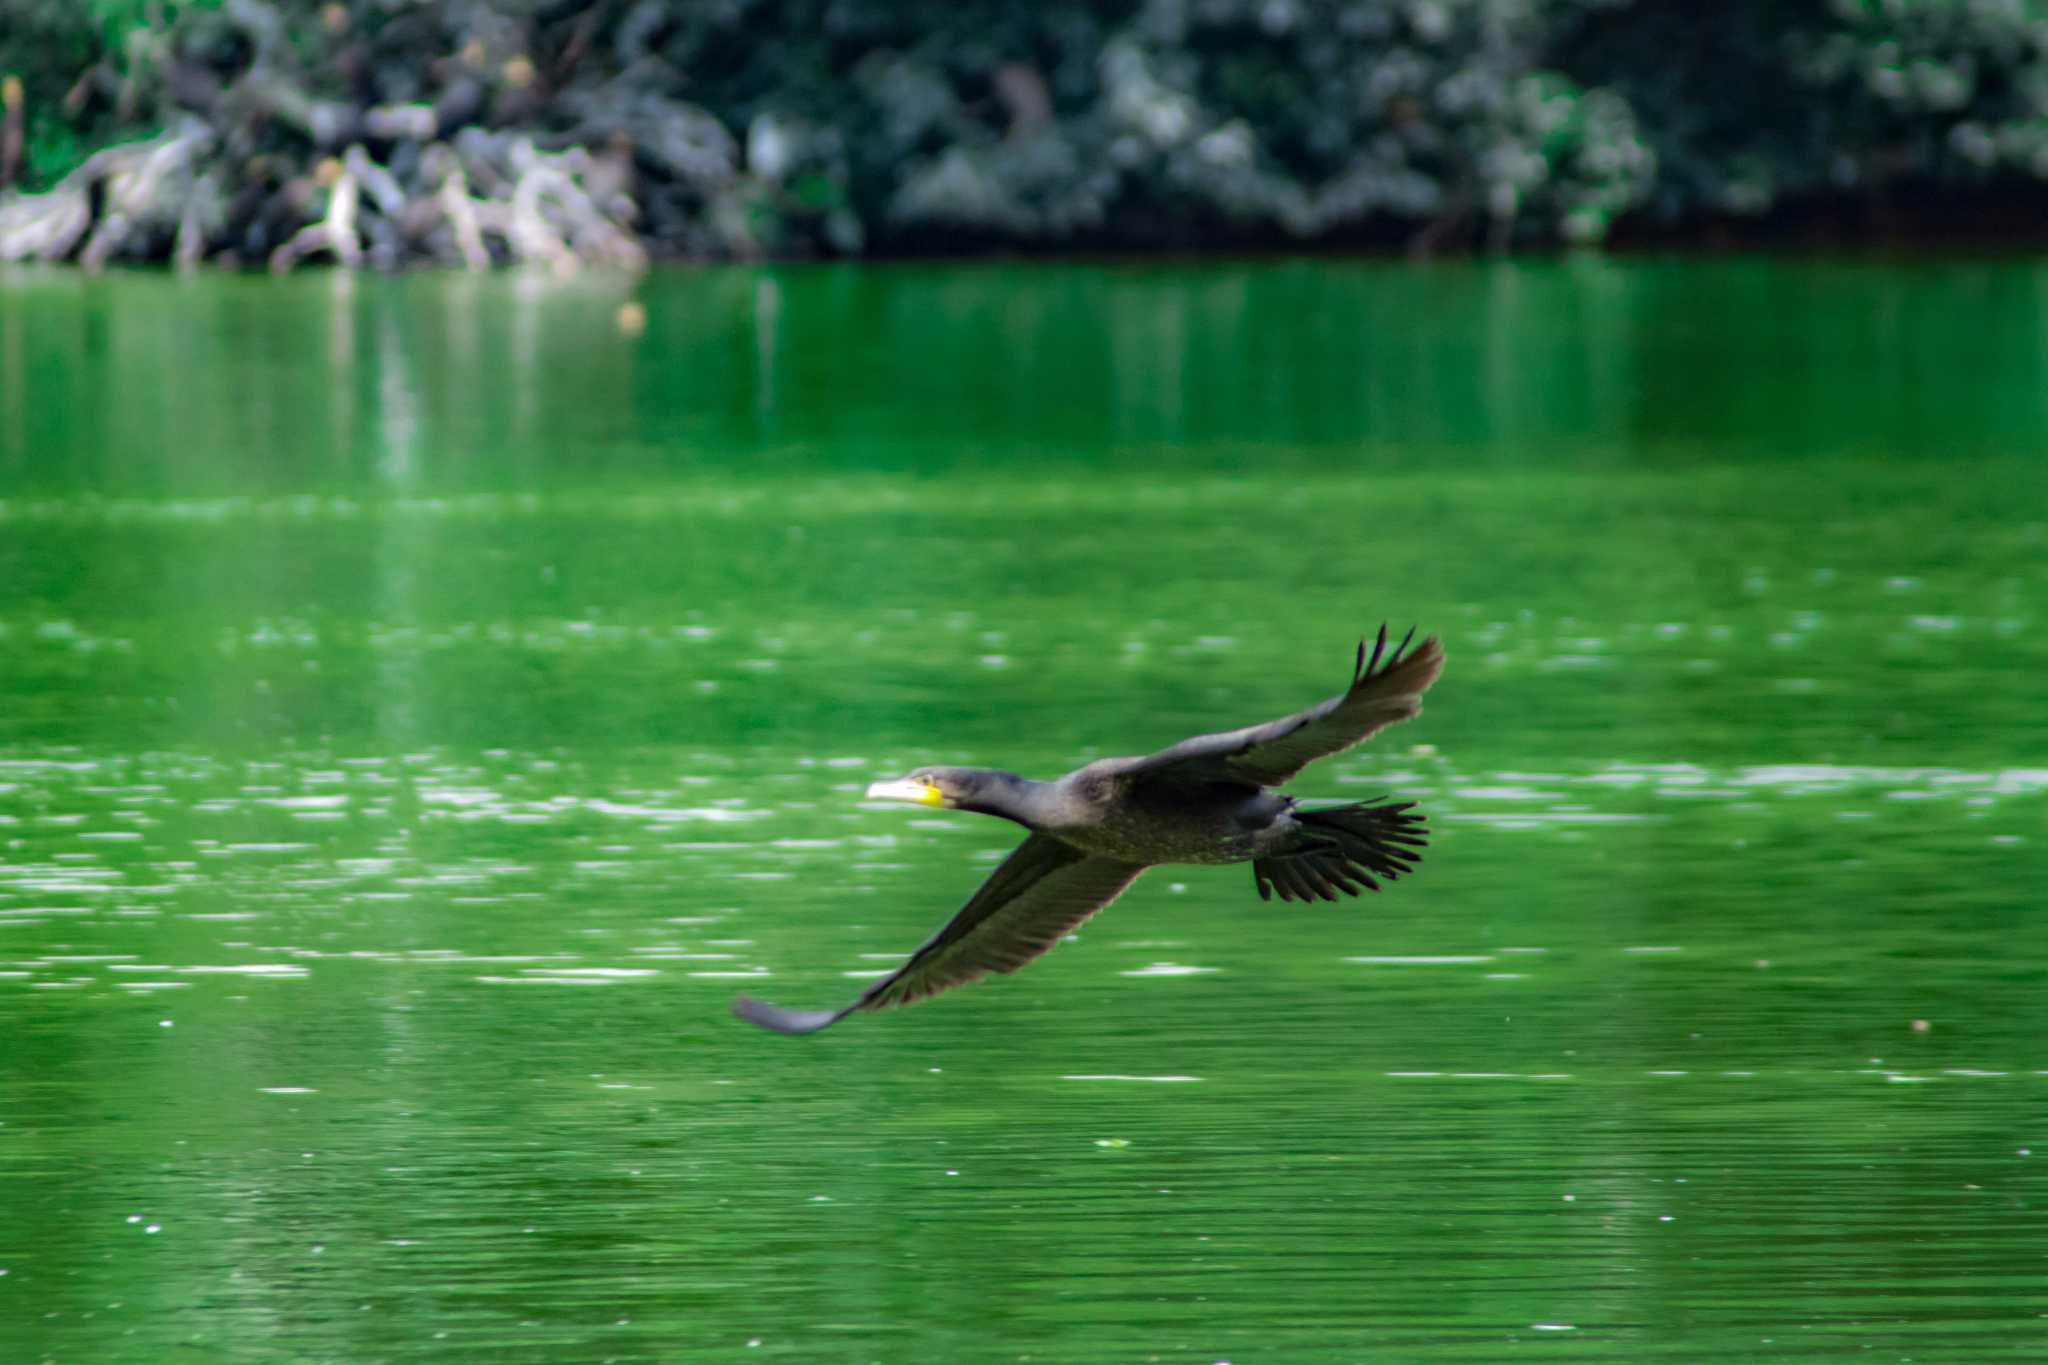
x: 1208, y: 799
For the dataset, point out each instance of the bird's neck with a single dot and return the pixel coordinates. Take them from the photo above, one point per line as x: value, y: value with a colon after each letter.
x: 1011, y: 797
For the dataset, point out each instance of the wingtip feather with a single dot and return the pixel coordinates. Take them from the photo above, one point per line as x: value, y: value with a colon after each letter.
x: 1426, y: 656
x: 778, y: 1020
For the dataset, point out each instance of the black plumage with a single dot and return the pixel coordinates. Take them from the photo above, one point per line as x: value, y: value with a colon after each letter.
x: 1204, y: 800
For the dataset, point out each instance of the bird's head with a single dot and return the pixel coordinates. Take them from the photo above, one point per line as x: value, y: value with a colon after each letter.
x: 946, y: 788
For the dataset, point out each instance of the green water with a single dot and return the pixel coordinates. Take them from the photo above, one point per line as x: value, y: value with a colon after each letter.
x: 423, y: 705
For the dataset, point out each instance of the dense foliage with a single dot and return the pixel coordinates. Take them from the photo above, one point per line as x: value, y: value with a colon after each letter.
x: 797, y: 126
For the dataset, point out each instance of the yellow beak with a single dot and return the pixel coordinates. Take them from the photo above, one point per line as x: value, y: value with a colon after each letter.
x: 917, y: 793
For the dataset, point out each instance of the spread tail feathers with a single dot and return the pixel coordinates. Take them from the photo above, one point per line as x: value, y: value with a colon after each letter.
x: 1349, y: 849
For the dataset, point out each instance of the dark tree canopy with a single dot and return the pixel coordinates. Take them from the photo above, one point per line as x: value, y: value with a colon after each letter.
x: 800, y: 127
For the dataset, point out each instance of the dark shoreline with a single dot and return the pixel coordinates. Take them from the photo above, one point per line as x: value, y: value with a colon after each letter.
x: 478, y: 134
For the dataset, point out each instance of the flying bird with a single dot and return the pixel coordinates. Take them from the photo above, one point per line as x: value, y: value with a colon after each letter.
x: 1208, y: 799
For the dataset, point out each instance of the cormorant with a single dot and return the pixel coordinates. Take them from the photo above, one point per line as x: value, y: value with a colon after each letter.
x: 1205, y: 800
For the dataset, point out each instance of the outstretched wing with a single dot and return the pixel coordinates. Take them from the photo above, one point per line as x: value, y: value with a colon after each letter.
x: 1041, y: 892
x: 1381, y: 694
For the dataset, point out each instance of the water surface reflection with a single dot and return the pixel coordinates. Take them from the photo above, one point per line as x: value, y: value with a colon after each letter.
x: 399, y: 777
